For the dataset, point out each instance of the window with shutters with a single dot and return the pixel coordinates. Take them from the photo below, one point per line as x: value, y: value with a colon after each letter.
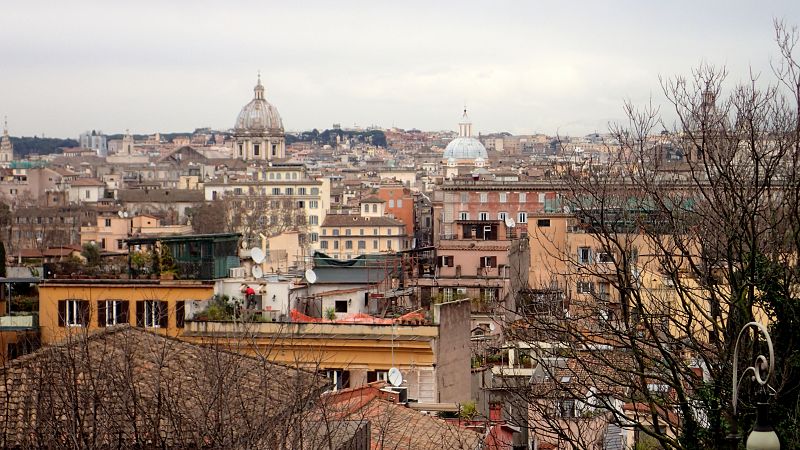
x: 566, y: 408
x: 180, y: 313
x: 112, y: 312
x: 584, y: 255
x: 446, y: 261
x: 488, y: 261
x: 151, y: 314
x: 585, y: 287
x: 489, y: 294
x: 73, y: 313
x: 522, y: 217
x: 340, y: 378
x: 377, y: 375
x: 447, y: 294
x: 605, y: 257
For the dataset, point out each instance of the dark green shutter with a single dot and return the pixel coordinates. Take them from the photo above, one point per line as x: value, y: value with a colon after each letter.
x: 163, y: 314
x: 123, y: 313
x: 62, y: 313
x: 140, y: 314
x: 101, y: 313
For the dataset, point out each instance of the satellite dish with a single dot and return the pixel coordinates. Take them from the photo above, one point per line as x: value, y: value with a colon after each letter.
x: 395, y: 377
x: 491, y: 327
x: 257, y: 254
x: 509, y: 222
x: 125, y: 214
x: 120, y: 214
x: 257, y: 272
x: 311, y: 277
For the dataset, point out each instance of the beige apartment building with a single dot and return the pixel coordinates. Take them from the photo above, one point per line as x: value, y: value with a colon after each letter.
x: 271, y: 195
x: 113, y: 228
x: 346, y: 236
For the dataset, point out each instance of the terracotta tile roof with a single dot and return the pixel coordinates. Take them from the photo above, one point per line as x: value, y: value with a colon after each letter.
x: 396, y: 426
x: 28, y: 253
x: 109, y: 388
x: 372, y: 199
x: 160, y: 195
x: 61, y: 251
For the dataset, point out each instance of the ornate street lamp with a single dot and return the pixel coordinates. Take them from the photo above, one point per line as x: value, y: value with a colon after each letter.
x: 763, y: 436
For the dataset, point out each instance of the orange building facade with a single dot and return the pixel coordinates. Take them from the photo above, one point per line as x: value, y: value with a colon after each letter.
x: 399, y: 203
x: 70, y: 306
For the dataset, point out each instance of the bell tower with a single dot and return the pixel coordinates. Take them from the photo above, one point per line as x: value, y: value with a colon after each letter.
x: 6, y: 147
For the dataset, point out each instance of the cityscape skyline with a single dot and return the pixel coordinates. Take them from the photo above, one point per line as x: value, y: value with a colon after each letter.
x: 517, y: 67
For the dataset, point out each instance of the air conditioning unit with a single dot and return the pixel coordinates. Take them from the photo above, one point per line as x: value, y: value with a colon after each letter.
x: 461, y: 290
x: 236, y: 272
x: 400, y: 391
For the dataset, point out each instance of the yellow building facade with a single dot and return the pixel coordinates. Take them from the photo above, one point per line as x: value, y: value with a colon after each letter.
x: 70, y: 306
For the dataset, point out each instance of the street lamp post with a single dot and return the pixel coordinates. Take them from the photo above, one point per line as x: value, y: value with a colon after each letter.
x: 763, y: 437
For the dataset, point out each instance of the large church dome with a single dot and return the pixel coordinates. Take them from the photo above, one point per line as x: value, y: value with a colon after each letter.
x: 465, y: 147
x: 259, y: 115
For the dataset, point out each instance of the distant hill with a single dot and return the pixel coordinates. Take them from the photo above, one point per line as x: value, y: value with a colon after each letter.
x: 24, y: 146
x: 374, y: 137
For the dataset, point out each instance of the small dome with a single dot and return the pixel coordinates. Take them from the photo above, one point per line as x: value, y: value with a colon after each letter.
x: 462, y: 148
x: 259, y: 115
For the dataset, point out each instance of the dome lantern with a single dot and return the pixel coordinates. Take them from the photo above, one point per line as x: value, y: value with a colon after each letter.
x: 465, y: 149
x: 465, y: 126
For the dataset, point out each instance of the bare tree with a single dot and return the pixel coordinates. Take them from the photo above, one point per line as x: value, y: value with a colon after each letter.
x: 249, y: 216
x: 662, y: 262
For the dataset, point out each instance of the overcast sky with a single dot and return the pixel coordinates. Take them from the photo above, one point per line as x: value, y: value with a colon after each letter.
x: 523, y: 67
